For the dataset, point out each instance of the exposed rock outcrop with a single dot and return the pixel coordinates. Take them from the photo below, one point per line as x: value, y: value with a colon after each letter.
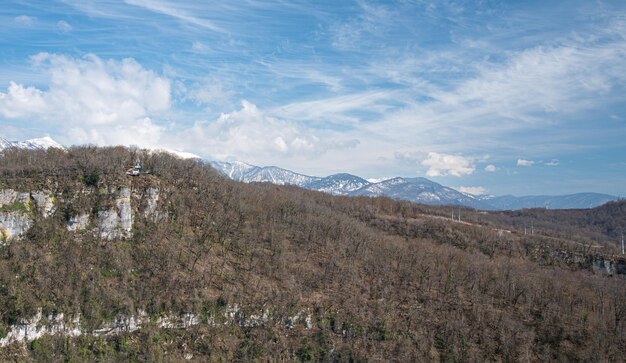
x: 611, y: 267
x: 117, y: 222
x: 10, y: 196
x: 18, y: 211
x: 44, y: 201
x: 27, y: 330
x: 14, y: 224
x: 14, y: 218
x: 78, y: 223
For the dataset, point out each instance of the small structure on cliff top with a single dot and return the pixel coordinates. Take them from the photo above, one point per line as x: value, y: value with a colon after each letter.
x: 135, y: 170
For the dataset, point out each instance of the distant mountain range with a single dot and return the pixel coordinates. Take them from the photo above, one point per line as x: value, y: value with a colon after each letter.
x: 571, y: 201
x: 41, y: 143
x: 417, y: 190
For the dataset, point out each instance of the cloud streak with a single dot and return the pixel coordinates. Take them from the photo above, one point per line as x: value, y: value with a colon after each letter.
x: 165, y: 9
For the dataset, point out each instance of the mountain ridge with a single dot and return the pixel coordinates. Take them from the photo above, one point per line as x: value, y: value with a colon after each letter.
x: 413, y: 189
x: 40, y: 143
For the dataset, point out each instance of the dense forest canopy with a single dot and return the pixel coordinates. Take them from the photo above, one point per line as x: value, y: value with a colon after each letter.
x: 377, y: 279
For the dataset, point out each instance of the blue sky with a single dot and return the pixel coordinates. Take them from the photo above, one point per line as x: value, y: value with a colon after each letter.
x: 502, y: 97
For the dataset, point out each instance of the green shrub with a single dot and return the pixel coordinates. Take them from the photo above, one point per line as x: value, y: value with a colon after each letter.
x: 91, y: 179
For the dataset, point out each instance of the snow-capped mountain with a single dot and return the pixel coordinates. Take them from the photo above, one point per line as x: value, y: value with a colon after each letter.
x: 417, y: 190
x: 276, y: 175
x: 46, y: 142
x: 271, y: 174
x: 338, y: 184
x: 236, y: 170
x: 42, y: 143
x: 420, y: 190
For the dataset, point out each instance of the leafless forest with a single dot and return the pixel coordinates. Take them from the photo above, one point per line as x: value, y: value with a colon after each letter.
x: 382, y: 280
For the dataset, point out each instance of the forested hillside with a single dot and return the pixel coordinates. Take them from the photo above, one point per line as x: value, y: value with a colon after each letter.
x: 604, y: 223
x: 184, y: 264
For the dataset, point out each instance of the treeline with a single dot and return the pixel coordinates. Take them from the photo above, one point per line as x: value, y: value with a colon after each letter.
x: 605, y: 223
x: 382, y: 280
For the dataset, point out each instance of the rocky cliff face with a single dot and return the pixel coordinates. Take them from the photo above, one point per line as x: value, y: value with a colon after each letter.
x: 13, y: 224
x: 27, y: 330
x: 114, y: 219
x: 117, y: 222
x: 16, y: 209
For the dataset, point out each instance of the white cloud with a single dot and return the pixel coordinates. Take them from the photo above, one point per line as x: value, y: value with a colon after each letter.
x: 280, y: 144
x: 199, y: 47
x: 553, y: 162
x: 472, y: 190
x: 445, y: 164
x: 64, y: 27
x: 250, y: 134
x: 490, y: 168
x: 523, y: 162
x: 209, y: 93
x: 99, y: 101
x: 20, y: 101
x: 25, y: 20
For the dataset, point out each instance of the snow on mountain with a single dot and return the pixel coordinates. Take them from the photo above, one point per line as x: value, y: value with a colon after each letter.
x: 178, y: 153
x: 42, y: 143
x: 236, y: 170
x: 46, y: 142
x: 276, y: 175
x: 338, y: 184
x: 4, y: 143
x: 419, y: 190
x: 271, y: 174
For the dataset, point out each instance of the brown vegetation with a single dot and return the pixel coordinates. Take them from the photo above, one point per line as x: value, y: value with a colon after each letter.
x: 383, y: 280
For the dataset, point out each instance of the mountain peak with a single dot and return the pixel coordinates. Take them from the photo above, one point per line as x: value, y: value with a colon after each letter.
x: 41, y: 143
x: 417, y: 189
x: 396, y: 180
